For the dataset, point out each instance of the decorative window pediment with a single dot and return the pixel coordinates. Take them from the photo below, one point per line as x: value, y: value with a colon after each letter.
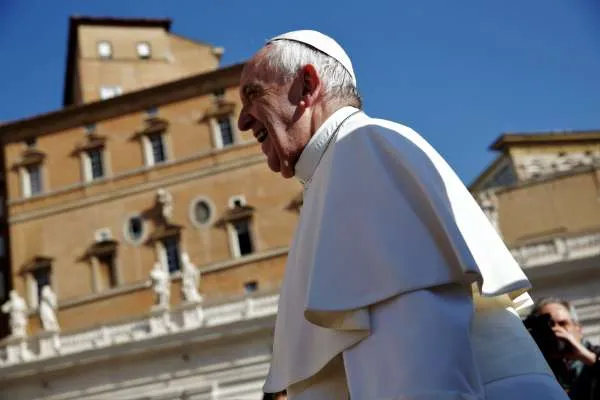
x: 219, y: 108
x: 37, y: 263
x: 29, y: 157
x: 236, y: 213
x: 103, y: 248
x: 164, y: 231
x: 152, y: 125
x: 93, y: 142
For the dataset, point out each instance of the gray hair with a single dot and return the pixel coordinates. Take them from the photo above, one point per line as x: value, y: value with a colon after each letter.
x: 288, y: 57
x: 537, y: 309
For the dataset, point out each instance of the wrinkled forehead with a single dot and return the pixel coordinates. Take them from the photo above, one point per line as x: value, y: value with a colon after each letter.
x: 258, y: 76
x: 557, y: 310
x: 261, y: 68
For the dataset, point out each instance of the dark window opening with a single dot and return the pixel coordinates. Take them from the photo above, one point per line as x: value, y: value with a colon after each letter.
x: 96, y: 163
x: 251, y: 286
x: 158, y: 148
x: 42, y: 278
x: 226, y: 131
x: 108, y: 276
x: 244, y: 238
x: 171, y: 245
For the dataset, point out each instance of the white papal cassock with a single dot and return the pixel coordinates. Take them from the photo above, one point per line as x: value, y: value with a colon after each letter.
x: 396, y: 286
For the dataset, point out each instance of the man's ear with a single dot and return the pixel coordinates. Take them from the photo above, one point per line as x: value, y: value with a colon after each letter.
x: 311, y: 85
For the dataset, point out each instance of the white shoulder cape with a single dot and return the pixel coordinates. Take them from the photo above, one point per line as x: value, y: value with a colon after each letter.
x: 383, y: 215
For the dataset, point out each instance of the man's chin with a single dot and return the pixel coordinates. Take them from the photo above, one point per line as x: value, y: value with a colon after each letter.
x: 284, y: 172
x: 287, y: 174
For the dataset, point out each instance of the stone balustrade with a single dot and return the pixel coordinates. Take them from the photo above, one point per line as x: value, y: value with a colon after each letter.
x: 184, y: 317
x: 557, y: 250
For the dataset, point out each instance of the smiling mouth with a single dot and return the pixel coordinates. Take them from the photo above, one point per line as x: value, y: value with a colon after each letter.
x: 261, y: 135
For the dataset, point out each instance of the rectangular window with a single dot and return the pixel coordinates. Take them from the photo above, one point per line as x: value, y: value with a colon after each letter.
x: 105, y: 49
x: 143, y: 50
x: 157, y: 148
x: 219, y: 95
x: 42, y: 278
x: 31, y: 142
x: 226, y: 131
x: 107, y: 273
x: 243, y: 236
x: 251, y: 287
x: 96, y: 164
x: 90, y: 129
x: 171, y: 246
x: 107, y: 92
x: 2, y: 286
x: 34, y: 174
x: 152, y: 112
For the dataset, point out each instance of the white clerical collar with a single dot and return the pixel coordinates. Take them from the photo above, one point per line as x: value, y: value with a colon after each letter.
x: 312, y: 153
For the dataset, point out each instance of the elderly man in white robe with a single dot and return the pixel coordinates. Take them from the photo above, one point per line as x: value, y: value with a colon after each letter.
x: 396, y: 285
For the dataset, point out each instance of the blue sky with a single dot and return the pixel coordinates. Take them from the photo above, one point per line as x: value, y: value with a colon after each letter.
x: 460, y: 72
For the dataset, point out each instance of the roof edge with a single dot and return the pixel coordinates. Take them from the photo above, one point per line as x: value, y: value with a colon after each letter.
x: 508, y: 139
x: 486, y: 172
x: 76, y: 21
x: 79, y: 115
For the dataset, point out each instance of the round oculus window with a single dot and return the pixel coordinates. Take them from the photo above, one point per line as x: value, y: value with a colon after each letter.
x: 135, y: 228
x: 201, y: 212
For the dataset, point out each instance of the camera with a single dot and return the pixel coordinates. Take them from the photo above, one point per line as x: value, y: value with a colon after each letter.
x: 540, y: 328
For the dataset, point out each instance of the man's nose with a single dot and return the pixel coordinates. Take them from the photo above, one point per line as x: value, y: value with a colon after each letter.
x: 245, y: 121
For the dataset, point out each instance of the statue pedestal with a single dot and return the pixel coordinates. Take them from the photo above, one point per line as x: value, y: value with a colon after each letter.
x: 103, y: 339
x: 49, y: 343
x: 192, y: 314
x: 17, y: 350
x: 160, y: 321
x: 249, y: 307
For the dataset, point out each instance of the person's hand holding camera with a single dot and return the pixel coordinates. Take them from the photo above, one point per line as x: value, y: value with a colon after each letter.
x: 577, y: 350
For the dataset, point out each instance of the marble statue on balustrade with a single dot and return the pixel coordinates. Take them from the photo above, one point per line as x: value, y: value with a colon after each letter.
x: 161, y: 284
x: 48, y: 307
x: 165, y: 200
x: 17, y: 310
x: 190, y: 278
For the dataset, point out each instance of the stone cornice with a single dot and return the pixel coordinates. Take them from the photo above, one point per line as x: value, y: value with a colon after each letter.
x: 202, y: 269
x: 152, y: 185
x: 532, y: 139
x: 127, y: 103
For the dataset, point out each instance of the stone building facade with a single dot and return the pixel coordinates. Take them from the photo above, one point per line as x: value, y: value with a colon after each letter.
x: 543, y: 195
x: 143, y: 238
x: 141, y: 175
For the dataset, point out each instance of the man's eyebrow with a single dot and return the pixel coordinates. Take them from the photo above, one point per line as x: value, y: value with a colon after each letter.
x: 250, y: 90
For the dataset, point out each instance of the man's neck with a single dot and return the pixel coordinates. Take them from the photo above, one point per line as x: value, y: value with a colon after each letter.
x: 321, y: 114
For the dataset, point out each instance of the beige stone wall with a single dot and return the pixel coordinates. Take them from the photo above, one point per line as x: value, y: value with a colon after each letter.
x: 555, y: 207
x: 523, y: 154
x: 61, y: 223
x: 172, y: 58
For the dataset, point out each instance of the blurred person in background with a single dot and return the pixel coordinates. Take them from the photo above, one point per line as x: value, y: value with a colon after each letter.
x: 554, y: 325
x: 275, y: 396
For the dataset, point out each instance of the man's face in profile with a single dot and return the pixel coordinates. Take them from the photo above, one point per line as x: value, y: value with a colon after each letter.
x: 562, y: 318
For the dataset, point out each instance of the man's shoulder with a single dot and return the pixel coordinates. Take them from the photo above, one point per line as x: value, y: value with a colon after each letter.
x: 369, y: 127
x: 378, y: 124
x: 393, y: 136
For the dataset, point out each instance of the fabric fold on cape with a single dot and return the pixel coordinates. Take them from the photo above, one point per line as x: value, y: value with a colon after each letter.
x: 427, y: 231
x: 432, y: 233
